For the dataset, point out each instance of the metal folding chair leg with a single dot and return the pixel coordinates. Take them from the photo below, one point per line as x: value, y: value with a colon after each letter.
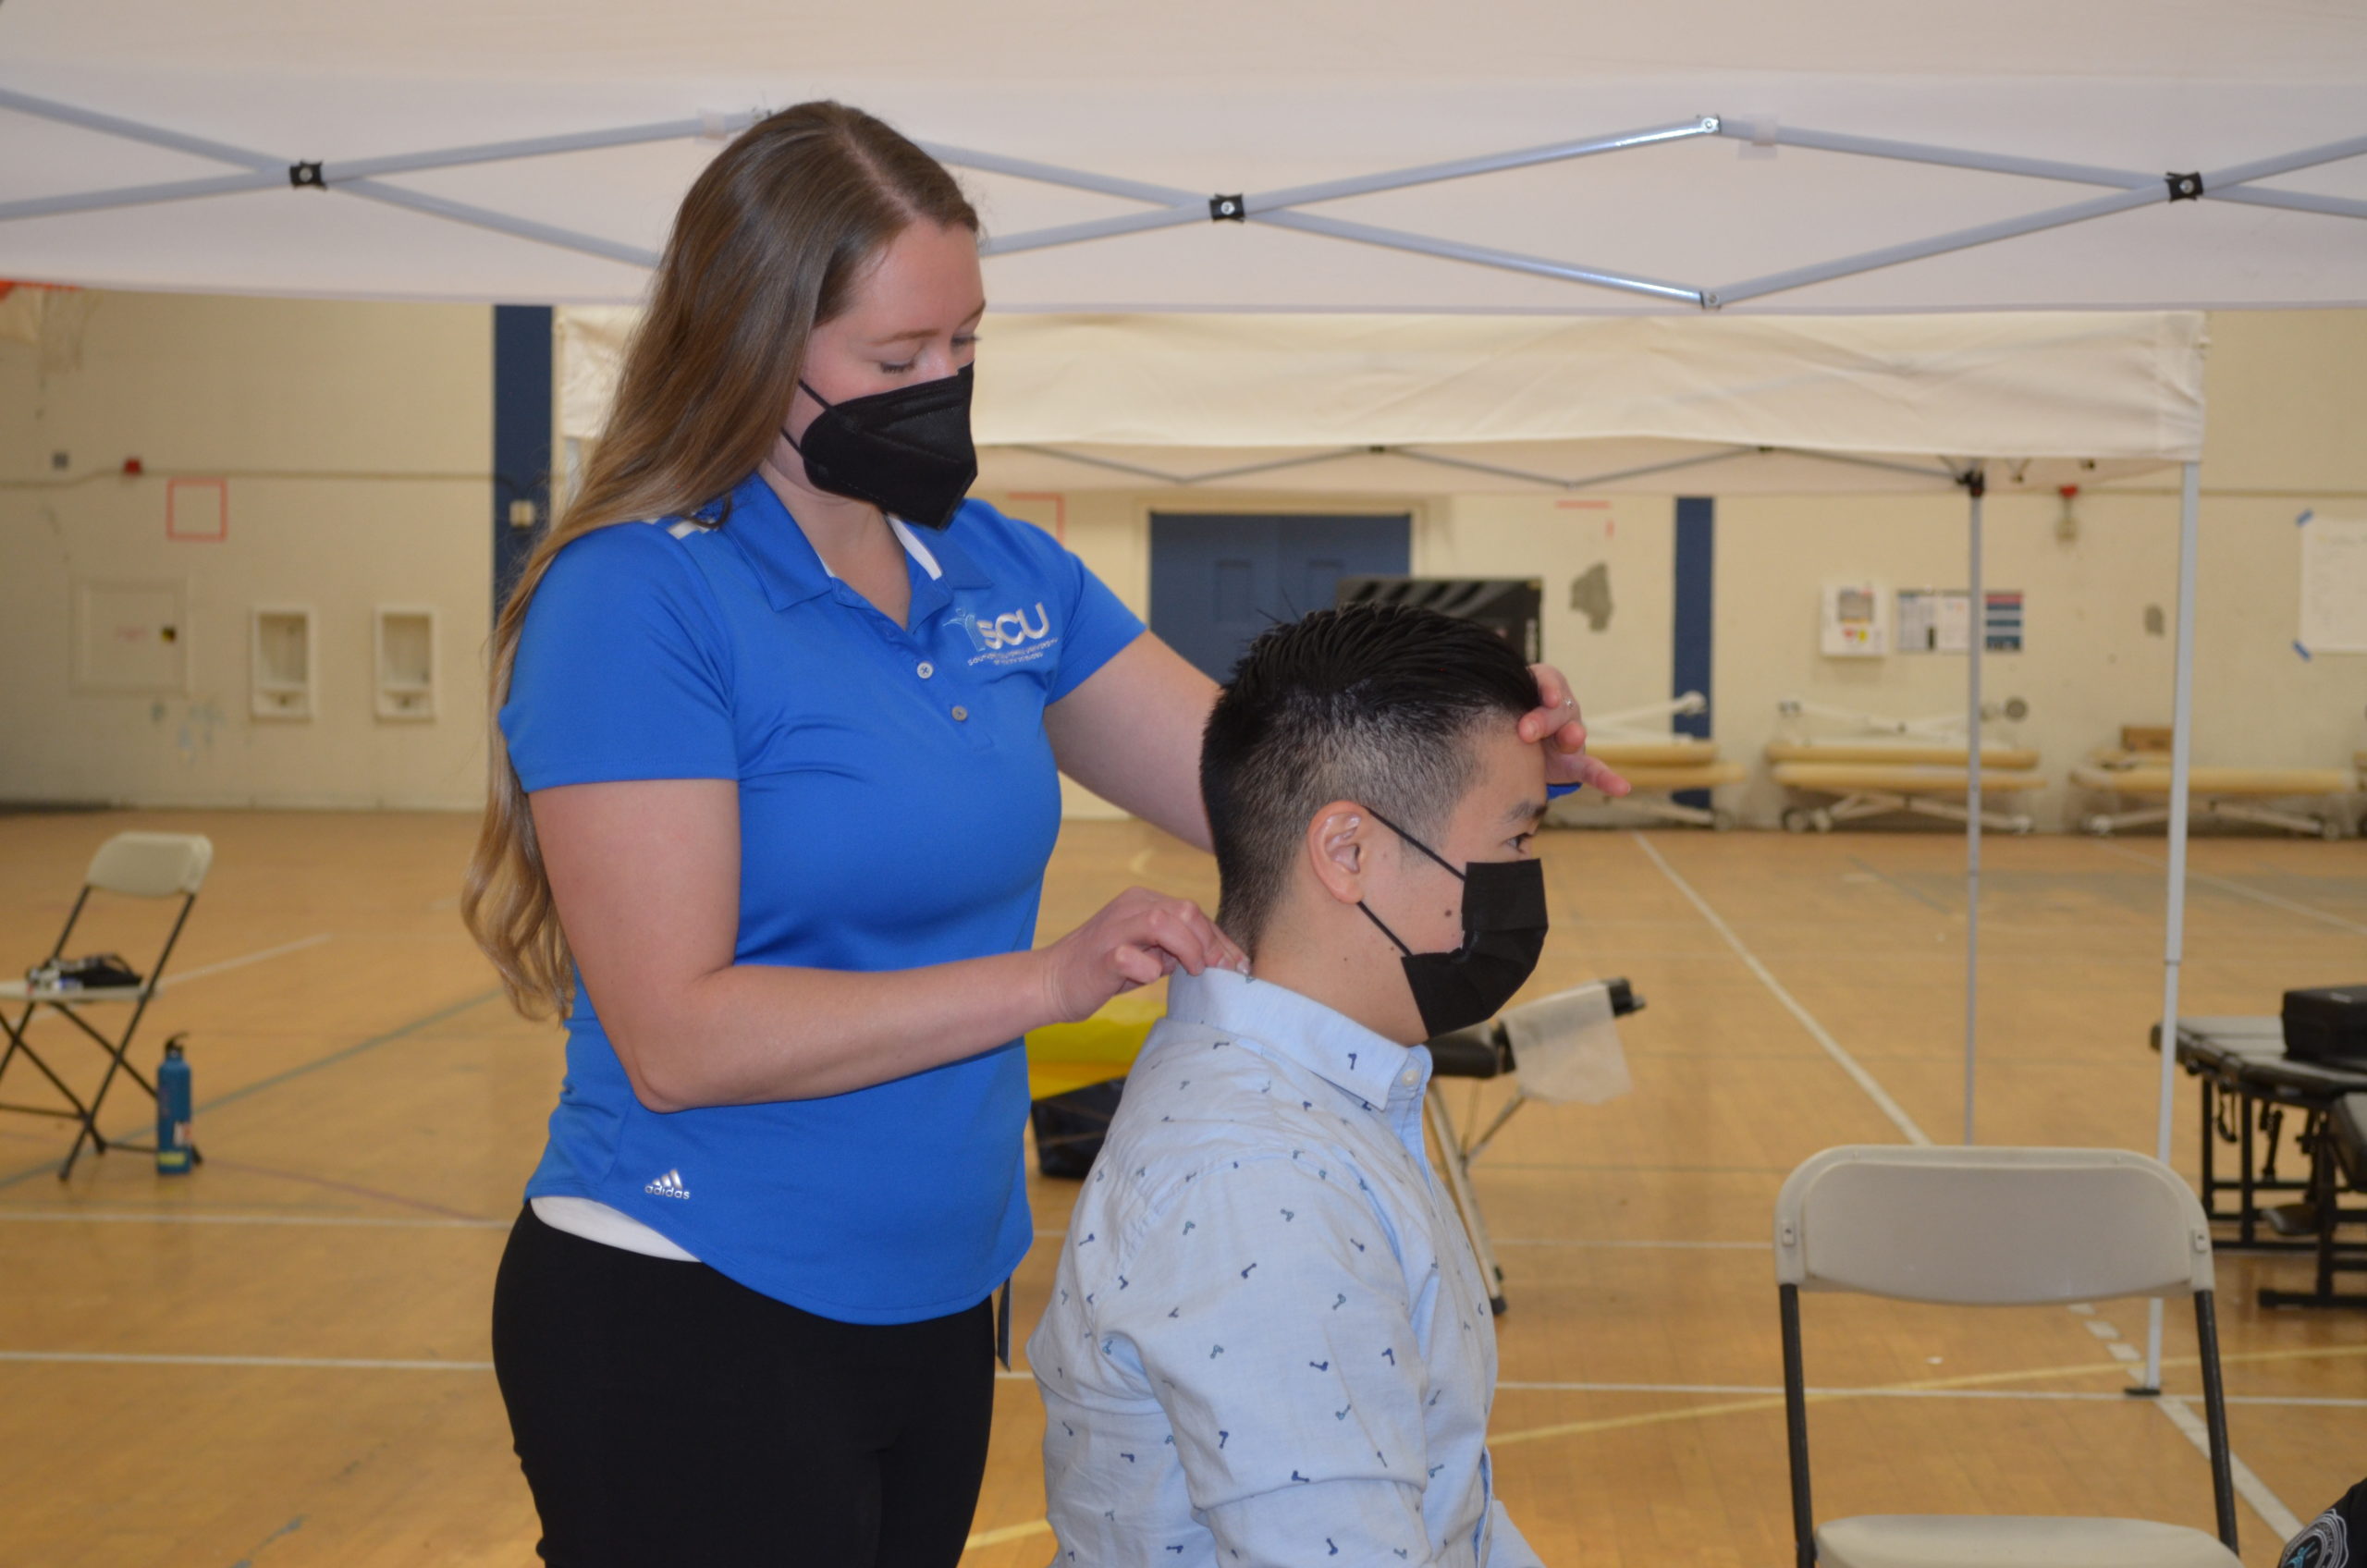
x: 1466, y: 1203
x: 145, y: 865
x: 74, y: 1110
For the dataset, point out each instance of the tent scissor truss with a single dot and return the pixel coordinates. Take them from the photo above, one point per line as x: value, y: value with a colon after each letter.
x: 1170, y: 207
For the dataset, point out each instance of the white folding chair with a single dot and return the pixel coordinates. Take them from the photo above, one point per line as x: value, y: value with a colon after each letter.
x: 1996, y: 1227
x: 138, y: 866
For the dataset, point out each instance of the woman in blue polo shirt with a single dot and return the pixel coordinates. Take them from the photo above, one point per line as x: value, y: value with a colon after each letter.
x: 783, y: 714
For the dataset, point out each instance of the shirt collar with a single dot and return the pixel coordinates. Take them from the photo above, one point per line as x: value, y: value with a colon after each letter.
x: 792, y: 572
x: 1326, y: 1042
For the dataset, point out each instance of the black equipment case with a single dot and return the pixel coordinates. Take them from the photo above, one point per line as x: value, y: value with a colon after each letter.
x: 2327, y: 1024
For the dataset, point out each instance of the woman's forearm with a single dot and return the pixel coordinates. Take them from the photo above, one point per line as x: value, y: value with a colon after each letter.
x: 750, y: 1032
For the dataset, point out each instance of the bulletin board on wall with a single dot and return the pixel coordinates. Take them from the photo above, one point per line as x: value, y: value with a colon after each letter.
x: 2333, y: 585
x: 1939, y: 621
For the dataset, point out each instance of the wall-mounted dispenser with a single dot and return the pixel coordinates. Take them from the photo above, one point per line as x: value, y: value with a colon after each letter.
x: 281, y: 662
x: 406, y: 662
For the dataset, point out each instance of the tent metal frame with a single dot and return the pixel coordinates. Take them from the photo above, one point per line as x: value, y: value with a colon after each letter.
x: 1170, y: 206
x: 1940, y: 473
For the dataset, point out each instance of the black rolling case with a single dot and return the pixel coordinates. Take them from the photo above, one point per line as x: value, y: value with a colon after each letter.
x: 2327, y: 1025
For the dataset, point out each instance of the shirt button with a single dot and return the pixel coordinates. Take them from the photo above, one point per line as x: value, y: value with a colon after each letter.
x: 961, y: 713
x: 925, y: 671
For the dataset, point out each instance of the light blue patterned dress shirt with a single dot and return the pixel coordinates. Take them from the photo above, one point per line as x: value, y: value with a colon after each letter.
x: 1269, y: 1342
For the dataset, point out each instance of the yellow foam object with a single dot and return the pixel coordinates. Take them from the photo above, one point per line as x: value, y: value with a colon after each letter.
x: 1061, y: 1057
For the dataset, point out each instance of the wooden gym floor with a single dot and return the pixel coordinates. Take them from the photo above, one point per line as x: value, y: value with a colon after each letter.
x: 281, y: 1360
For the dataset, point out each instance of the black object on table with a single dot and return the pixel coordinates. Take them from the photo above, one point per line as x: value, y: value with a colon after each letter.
x: 2249, y: 1081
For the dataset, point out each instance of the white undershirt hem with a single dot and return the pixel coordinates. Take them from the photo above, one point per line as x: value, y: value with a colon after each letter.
x: 595, y: 1221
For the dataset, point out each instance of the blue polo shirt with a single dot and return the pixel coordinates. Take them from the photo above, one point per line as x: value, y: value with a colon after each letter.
x: 897, y: 801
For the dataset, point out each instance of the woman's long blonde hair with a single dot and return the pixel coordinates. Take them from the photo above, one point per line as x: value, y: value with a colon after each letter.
x: 769, y: 244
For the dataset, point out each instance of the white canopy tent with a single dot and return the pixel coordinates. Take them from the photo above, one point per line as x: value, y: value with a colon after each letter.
x: 1521, y: 158
x: 1383, y: 404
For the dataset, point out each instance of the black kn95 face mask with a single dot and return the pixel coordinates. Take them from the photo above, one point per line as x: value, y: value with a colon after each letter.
x: 1504, y: 932
x: 906, y: 451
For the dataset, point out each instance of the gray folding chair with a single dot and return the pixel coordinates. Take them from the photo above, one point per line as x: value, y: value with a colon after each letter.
x: 139, y: 866
x: 1994, y: 1227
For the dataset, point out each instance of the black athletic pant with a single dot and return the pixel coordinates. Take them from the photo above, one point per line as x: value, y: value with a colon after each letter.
x: 666, y: 1415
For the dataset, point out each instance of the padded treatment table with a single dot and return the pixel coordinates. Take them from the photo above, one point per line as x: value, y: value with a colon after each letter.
x: 1937, y: 754
x: 1661, y: 751
x: 1660, y: 768
x: 1927, y: 788
x: 2228, y: 795
x: 2249, y: 1081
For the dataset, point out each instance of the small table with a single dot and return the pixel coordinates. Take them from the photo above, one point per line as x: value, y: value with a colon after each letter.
x: 2244, y: 1070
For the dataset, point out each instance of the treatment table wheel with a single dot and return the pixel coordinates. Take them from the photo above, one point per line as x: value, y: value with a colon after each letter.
x: 1795, y: 819
x: 1721, y: 820
x: 2330, y: 827
x: 2099, y: 825
x: 1820, y: 819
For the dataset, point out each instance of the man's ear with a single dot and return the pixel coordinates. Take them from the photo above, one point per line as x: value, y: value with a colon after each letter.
x: 1339, y: 848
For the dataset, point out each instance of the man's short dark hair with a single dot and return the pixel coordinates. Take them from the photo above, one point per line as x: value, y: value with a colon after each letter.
x: 1374, y: 704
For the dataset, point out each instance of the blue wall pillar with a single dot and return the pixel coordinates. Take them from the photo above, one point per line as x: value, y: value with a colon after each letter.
x: 1693, y: 625
x: 522, y: 436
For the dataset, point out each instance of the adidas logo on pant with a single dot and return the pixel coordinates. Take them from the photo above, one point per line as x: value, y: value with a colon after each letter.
x: 668, y: 1186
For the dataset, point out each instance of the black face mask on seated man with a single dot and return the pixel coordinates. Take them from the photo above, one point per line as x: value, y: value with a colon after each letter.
x: 906, y: 451
x: 1504, y: 931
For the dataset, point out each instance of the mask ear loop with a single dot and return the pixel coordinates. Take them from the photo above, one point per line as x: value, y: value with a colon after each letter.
x: 1384, y: 930
x: 818, y: 399
x: 1418, y: 844
x: 1426, y: 849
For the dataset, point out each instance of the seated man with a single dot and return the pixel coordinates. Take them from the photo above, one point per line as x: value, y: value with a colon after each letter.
x: 1269, y: 1342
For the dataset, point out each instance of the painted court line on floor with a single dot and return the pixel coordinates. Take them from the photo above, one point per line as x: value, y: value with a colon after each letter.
x: 302, y: 1363
x: 346, y: 1053
x: 2267, y: 1504
x: 2239, y: 891
x: 201, y: 1216
x: 226, y: 966
x: 2087, y: 1396
x: 1638, y: 1246
x: 1842, y: 1058
x: 2263, y: 1501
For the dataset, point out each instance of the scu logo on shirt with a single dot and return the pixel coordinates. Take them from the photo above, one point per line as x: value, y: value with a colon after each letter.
x: 1013, y: 637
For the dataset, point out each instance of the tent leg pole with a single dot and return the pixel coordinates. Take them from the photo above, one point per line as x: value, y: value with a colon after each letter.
x: 2174, y: 926
x: 1976, y: 635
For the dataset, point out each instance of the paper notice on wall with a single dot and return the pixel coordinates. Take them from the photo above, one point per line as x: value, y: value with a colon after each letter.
x: 2334, y: 584
x: 1935, y: 620
x: 2001, y: 621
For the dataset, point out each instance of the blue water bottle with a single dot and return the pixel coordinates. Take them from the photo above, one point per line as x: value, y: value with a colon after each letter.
x: 175, y: 1101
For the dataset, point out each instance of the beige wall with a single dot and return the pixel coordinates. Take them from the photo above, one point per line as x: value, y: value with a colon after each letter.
x: 356, y: 441
x: 280, y: 396
x: 2287, y: 399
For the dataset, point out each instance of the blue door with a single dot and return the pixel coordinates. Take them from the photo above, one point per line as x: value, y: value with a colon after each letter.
x: 1216, y: 580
